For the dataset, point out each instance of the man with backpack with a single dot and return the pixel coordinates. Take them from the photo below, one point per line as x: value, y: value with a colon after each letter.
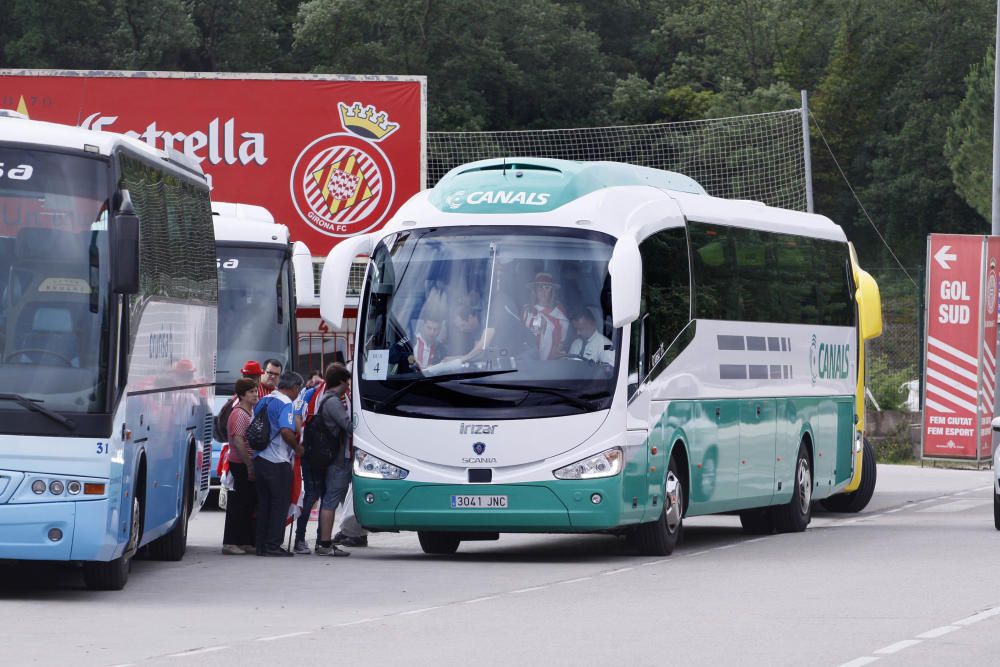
x: 326, y: 463
x: 272, y: 432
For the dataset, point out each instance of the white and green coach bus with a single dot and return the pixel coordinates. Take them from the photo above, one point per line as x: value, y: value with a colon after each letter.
x: 553, y: 346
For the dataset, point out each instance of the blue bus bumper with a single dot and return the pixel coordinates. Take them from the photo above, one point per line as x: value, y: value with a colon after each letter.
x: 84, y: 526
x: 214, y: 482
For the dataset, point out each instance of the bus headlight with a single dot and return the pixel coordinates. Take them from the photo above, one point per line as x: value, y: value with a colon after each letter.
x: 606, y: 464
x: 366, y: 465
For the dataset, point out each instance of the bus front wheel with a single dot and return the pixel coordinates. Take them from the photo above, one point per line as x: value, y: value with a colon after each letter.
x: 996, y: 509
x: 796, y: 515
x: 172, y: 546
x: 113, y: 575
x: 658, y: 538
x: 440, y: 544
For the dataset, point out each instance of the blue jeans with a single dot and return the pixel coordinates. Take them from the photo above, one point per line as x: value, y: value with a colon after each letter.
x: 329, y: 487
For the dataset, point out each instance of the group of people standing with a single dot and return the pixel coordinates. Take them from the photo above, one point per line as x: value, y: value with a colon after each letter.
x: 310, y: 433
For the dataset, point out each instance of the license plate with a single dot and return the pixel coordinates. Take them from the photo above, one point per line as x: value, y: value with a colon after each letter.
x: 479, y: 502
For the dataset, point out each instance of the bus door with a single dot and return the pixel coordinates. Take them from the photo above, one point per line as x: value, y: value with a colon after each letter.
x: 758, y: 429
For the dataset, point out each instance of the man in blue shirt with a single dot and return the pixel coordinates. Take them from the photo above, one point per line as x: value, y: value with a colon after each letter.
x: 273, y: 465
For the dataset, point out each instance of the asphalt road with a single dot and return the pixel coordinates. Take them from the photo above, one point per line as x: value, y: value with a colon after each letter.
x: 912, y: 580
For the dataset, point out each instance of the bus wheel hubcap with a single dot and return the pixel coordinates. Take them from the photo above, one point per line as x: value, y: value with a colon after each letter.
x: 675, y: 502
x: 805, y: 486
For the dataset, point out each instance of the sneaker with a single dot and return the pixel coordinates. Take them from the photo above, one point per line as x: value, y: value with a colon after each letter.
x: 337, y: 551
x: 323, y: 551
x: 276, y: 552
x: 232, y: 550
x: 248, y: 548
x: 346, y: 541
x: 302, y: 547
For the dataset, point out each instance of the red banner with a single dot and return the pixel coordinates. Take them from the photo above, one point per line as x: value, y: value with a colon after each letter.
x: 329, y: 156
x: 953, y: 397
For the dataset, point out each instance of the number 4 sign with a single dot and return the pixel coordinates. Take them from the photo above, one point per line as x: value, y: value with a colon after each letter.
x: 377, y: 365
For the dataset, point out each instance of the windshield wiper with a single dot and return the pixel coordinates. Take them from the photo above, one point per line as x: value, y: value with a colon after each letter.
x: 555, y: 391
x: 437, y: 379
x: 69, y: 424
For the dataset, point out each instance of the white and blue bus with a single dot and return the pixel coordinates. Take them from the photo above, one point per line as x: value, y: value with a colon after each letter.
x: 264, y: 278
x: 553, y: 346
x: 108, y: 294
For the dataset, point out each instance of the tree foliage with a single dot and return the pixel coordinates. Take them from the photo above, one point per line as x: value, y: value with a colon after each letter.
x: 899, y: 90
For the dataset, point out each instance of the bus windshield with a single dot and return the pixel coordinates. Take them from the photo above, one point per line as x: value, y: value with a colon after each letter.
x: 499, y: 322
x: 255, y: 319
x: 54, y: 314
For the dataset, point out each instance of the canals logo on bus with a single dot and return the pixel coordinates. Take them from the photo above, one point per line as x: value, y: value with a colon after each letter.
x: 343, y: 184
x: 829, y: 361
x: 477, y: 429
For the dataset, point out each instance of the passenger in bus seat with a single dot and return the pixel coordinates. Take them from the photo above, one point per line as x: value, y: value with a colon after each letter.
x: 545, y: 318
x: 425, y: 348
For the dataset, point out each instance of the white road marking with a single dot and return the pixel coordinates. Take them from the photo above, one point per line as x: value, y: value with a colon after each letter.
x: 358, y: 622
x: 756, y: 539
x: 981, y: 616
x: 653, y: 562
x: 577, y: 580
x: 197, y: 651
x: 618, y: 571
x: 858, y: 662
x: 898, y: 646
x: 419, y: 611
x: 482, y: 599
x: 938, y: 632
x: 956, y: 506
x: 285, y: 636
x: 528, y: 590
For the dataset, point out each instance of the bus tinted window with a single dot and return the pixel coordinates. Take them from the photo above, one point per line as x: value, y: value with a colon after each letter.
x: 758, y: 276
x: 666, y: 291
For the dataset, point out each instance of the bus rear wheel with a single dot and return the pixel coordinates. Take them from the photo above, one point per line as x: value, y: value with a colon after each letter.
x: 855, y: 501
x: 658, y: 538
x: 439, y: 544
x: 113, y: 576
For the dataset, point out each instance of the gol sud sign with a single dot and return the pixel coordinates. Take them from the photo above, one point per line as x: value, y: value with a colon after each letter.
x: 329, y: 156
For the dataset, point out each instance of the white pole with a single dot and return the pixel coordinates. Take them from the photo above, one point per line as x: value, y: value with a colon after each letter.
x: 806, y: 153
x: 995, y: 213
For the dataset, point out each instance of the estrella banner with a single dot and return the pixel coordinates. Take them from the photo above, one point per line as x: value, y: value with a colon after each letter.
x: 330, y: 156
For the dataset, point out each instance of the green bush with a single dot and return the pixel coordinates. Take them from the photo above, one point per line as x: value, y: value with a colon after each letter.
x: 885, y: 384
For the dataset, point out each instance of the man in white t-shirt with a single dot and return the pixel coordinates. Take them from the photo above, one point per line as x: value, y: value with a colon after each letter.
x: 590, y: 343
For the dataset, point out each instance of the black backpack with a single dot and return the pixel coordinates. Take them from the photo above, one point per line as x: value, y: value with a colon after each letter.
x: 220, y: 429
x: 259, y: 431
x: 321, y: 445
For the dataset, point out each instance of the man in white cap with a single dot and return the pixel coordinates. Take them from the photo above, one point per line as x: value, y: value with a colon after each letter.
x: 546, y: 319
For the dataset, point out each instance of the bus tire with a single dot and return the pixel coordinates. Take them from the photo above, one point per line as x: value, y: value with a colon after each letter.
x: 757, y: 521
x: 173, y: 545
x: 113, y: 575
x: 996, y: 509
x: 857, y: 500
x: 796, y: 515
x: 439, y: 544
x: 658, y: 538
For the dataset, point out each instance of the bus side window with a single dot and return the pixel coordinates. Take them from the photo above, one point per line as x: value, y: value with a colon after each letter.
x: 666, y: 292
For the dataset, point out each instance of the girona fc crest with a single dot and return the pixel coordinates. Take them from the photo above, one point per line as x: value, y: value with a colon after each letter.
x: 342, y: 184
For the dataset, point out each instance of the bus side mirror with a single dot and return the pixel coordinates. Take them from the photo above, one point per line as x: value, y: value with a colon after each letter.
x: 869, y: 306
x: 302, y: 267
x: 626, y: 281
x: 336, y: 272
x: 125, y: 253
